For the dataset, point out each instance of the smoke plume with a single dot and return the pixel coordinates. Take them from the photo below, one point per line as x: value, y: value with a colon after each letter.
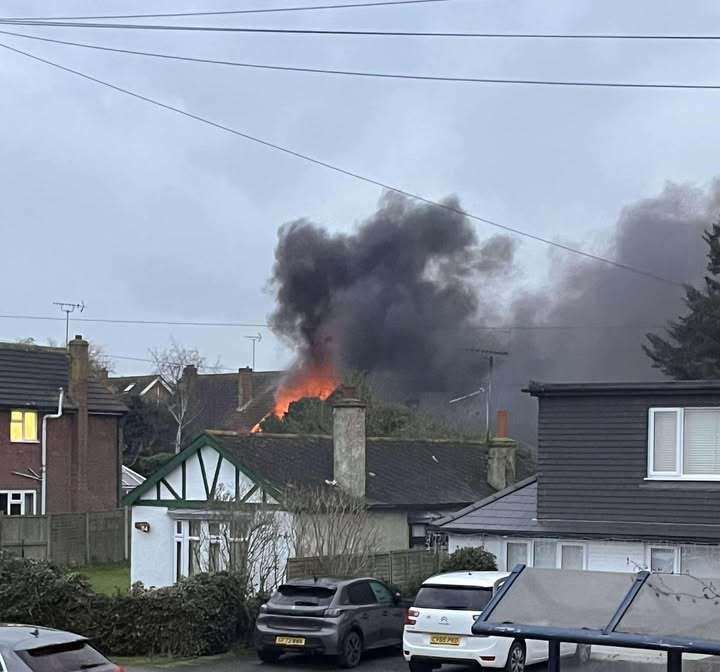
x: 407, y: 295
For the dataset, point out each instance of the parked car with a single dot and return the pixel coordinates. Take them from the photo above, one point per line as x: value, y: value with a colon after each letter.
x: 336, y: 617
x: 26, y: 648
x: 438, y: 627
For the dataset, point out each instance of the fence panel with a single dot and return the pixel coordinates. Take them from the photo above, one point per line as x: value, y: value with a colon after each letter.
x: 396, y: 567
x: 67, y: 538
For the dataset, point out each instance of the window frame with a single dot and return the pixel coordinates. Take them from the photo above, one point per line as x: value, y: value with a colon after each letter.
x: 23, y: 412
x: 22, y: 494
x: 663, y: 547
x: 677, y: 474
x: 577, y: 544
x: 559, y: 543
x: 529, y: 547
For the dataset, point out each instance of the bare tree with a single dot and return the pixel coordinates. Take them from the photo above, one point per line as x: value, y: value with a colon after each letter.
x: 332, y: 527
x: 177, y: 366
x: 251, y: 539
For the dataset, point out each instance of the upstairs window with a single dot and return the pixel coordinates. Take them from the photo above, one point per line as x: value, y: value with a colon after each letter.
x: 23, y: 426
x: 684, y: 443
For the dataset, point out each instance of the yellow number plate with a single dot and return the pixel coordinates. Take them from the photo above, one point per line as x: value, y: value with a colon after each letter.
x: 290, y: 641
x: 444, y: 640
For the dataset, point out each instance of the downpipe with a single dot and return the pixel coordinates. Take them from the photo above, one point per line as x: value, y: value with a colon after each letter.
x: 43, y: 456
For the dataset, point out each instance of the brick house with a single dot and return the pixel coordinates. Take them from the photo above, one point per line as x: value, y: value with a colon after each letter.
x: 60, y: 432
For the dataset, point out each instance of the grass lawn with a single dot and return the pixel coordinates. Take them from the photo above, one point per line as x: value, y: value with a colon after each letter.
x: 107, y: 579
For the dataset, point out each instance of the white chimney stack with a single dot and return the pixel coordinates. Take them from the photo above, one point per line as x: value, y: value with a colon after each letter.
x: 349, y: 447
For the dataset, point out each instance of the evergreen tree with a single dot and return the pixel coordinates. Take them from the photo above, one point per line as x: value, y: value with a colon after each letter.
x: 692, y: 351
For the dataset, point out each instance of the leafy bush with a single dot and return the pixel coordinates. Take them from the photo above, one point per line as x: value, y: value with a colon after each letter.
x: 470, y: 559
x: 202, y: 615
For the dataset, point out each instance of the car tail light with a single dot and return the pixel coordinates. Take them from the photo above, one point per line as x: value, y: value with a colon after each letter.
x: 332, y: 613
x: 411, y: 616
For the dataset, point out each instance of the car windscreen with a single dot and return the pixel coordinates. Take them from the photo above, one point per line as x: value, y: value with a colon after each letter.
x: 67, y: 657
x: 464, y: 598
x: 304, y: 596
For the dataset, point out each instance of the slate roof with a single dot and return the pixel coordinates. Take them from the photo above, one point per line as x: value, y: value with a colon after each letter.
x: 513, y: 512
x: 538, y: 389
x: 400, y: 472
x: 30, y: 376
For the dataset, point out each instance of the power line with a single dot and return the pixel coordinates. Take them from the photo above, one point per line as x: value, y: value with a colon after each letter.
x: 168, y: 15
x: 343, y: 171
x: 363, y: 33
x: 356, y: 73
x: 171, y: 323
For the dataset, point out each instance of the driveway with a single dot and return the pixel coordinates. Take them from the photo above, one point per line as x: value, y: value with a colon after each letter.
x: 603, y: 661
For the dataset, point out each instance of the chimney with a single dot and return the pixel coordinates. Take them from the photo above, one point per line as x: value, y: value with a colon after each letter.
x: 79, y: 371
x: 349, y: 448
x: 501, y: 455
x: 245, y: 386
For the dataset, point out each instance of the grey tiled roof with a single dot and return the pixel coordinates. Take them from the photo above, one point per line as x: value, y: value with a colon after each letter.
x: 31, y: 375
x: 400, y: 472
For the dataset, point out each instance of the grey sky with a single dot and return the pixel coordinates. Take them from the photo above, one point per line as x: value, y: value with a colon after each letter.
x: 147, y: 215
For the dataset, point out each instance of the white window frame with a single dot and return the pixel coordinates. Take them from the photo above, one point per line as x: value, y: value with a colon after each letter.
x: 529, y: 552
x: 21, y: 494
x: 24, y: 412
x: 677, y: 474
x: 558, y: 561
x: 663, y: 547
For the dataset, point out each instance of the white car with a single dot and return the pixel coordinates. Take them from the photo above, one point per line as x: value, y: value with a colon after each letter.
x: 438, y: 627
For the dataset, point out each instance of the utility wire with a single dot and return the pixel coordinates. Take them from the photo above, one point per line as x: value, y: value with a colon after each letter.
x: 363, y: 33
x: 168, y: 15
x: 344, y: 171
x: 171, y: 323
x: 356, y: 73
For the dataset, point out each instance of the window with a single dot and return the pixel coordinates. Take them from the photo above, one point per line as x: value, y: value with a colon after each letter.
x: 360, y: 593
x: 301, y: 595
x: 194, y: 547
x: 662, y: 559
x: 700, y: 561
x: 382, y: 593
x: 544, y: 554
x: 23, y: 426
x: 453, y: 597
x: 572, y: 556
x: 684, y: 443
x: 65, y: 657
x: 17, y: 502
x: 517, y: 554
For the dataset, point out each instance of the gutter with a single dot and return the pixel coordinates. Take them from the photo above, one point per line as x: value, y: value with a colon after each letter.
x: 43, y: 457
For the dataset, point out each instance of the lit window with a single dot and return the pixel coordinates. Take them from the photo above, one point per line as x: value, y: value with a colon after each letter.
x: 23, y: 426
x: 17, y: 502
x: 684, y: 443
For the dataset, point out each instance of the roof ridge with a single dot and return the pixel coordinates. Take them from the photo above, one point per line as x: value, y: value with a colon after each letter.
x: 32, y: 347
x: 479, y: 442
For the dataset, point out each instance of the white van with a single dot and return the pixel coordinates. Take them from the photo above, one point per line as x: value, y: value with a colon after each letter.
x: 438, y: 627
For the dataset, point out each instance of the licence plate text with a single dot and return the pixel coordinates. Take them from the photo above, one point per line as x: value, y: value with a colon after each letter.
x: 290, y: 641
x: 444, y: 640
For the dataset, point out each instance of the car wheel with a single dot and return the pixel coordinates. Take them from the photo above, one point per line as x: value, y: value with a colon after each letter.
x: 351, y: 649
x: 583, y: 653
x: 516, y: 658
x: 269, y: 655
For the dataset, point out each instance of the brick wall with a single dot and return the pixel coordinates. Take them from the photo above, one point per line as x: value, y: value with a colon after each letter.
x: 99, y: 493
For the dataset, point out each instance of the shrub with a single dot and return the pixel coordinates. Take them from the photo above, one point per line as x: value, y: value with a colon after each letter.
x: 470, y: 559
x: 202, y: 615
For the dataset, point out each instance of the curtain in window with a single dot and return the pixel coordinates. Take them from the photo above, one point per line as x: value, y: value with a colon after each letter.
x: 665, y: 443
x: 701, y: 442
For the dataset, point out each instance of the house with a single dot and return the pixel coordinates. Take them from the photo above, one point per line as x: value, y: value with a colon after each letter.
x: 405, y: 483
x: 233, y: 401
x: 59, y: 432
x: 628, y: 477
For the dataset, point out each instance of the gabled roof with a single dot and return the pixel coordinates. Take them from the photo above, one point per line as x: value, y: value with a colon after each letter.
x: 31, y: 375
x: 137, y: 385
x: 401, y: 473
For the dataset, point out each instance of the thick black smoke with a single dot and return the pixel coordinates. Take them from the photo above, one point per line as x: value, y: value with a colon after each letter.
x: 406, y: 295
x: 399, y: 298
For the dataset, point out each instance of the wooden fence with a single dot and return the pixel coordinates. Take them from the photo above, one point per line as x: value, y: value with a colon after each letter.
x: 395, y: 567
x: 68, y: 538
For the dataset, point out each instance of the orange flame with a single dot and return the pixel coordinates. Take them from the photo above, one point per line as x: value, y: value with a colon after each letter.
x: 316, y: 380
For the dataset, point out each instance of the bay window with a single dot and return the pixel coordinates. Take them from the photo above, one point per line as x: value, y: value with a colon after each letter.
x: 684, y: 443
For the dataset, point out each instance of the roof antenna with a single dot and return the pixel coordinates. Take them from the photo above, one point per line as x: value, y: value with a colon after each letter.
x: 68, y: 308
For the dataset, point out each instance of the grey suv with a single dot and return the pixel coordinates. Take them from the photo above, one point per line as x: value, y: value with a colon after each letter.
x: 338, y: 617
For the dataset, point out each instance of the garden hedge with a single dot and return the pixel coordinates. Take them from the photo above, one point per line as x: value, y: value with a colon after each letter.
x: 201, y: 615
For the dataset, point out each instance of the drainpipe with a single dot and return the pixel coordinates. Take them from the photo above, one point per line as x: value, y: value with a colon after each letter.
x: 43, y: 458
